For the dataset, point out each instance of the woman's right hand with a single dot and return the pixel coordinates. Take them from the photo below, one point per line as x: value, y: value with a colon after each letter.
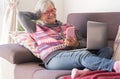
x: 71, y: 42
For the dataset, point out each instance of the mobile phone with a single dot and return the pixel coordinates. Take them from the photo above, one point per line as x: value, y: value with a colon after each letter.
x: 70, y: 33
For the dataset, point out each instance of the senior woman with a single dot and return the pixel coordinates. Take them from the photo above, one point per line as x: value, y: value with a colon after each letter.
x: 55, y: 50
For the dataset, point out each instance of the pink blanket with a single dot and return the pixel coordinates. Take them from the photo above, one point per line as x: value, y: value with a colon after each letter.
x: 95, y: 75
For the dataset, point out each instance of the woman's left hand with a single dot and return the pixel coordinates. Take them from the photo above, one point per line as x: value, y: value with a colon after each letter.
x: 71, y: 42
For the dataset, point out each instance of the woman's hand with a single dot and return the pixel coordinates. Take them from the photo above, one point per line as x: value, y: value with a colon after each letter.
x: 71, y: 42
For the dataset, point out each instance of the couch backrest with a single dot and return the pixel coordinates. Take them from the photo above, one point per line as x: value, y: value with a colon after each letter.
x: 111, y: 18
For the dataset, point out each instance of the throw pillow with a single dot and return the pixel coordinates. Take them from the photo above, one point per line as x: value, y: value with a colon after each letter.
x: 24, y: 39
x: 116, y: 47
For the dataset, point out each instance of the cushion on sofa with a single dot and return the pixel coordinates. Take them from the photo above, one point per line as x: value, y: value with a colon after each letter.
x: 54, y: 74
x: 116, y: 47
x: 16, y: 54
x: 24, y: 39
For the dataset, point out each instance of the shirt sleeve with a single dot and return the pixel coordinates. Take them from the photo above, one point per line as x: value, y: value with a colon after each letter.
x: 26, y: 20
x: 81, y: 40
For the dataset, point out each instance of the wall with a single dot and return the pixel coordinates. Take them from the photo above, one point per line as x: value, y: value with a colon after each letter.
x: 80, y: 6
x: 27, y: 5
x: 59, y: 4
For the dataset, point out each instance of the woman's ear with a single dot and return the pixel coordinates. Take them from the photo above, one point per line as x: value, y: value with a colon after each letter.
x: 41, y: 18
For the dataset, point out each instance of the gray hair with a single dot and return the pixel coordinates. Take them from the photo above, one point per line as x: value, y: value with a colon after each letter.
x: 42, y: 6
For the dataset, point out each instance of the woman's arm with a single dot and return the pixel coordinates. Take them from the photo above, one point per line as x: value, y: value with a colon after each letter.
x: 25, y: 19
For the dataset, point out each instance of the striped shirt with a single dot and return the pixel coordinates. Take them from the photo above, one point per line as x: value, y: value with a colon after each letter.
x: 47, y: 40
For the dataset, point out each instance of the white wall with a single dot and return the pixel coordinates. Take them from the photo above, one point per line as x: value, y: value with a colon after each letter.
x: 59, y: 4
x: 80, y: 6
x: 27, y: 5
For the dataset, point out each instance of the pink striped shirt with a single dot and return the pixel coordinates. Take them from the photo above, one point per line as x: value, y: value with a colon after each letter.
x: 46, y: 40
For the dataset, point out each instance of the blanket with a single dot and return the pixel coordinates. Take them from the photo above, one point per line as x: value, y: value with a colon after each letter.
x: 95, y: 75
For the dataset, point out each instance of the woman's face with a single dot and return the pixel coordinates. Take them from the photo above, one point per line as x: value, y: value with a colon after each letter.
x: 49, y: 16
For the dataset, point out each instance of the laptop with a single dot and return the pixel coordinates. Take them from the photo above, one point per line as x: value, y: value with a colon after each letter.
x: 96, y: 35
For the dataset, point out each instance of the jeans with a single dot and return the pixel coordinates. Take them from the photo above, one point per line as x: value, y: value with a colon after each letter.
x: 69, y: 59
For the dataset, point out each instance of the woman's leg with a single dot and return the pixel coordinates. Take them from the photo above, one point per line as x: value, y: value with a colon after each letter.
x: 106, y: 52
x: 93, y: 62
x: 67, y: 60
x: 76, y: 72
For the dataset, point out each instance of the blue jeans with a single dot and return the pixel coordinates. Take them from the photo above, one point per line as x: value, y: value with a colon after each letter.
x: 69, y: 59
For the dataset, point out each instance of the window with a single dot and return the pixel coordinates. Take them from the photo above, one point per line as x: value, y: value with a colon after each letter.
x: 19, y: 27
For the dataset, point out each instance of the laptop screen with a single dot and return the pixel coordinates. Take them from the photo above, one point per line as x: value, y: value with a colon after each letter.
x: 96, y: 35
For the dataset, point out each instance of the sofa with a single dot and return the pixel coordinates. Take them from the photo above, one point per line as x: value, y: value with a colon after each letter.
x: 20, y: 63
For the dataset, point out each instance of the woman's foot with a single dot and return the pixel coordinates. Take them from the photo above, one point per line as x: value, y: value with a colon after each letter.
x: 75, y: 72
x: 116, y: 66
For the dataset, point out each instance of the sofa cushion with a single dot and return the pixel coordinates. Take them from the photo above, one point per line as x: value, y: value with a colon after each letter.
x: 16, y: 54
x: 25, y: 39
x: 27, y: 70
x: 50, y: 74
x: 116, y: 47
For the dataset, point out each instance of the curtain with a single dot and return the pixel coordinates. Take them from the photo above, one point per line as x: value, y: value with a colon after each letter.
x: 9, y: 21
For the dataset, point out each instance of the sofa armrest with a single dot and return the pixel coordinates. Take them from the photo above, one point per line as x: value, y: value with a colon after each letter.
x: 17, y: 54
